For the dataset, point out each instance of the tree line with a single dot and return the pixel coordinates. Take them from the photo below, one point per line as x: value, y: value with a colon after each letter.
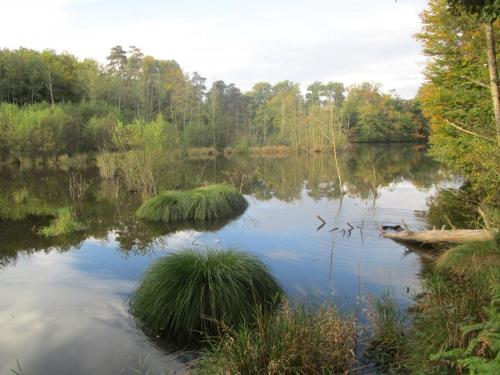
x: 58, y: 99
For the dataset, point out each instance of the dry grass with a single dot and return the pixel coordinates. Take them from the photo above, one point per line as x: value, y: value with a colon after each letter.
x: 202, y: 153
x: 292, y: 341
x: 270, y: 150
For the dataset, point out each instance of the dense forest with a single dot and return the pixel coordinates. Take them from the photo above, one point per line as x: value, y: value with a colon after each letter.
x: 58, y: 104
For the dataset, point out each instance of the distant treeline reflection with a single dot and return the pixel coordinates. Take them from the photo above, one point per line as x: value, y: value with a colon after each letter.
x: 108, y: 207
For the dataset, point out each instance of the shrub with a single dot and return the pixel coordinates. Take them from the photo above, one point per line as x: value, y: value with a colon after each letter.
x: 298, y: 341
x: 186, y: 295
x: 64, y: 223
x: 204, y: 203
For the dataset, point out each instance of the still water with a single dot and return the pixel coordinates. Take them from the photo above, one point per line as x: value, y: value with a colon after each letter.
x: 64, y: 301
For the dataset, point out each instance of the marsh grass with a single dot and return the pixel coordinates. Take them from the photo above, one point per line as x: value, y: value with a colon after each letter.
x: 205, y: 203
x: 387, y: 345
x: 20, y: 204
x: 473, y: 260
x: 451, y: 328
x: 107, y: 164
x: 270, y: 150
x: 456, y: 293
x: 65, y: 223
x: 185, y: 296
x: 290, y: 341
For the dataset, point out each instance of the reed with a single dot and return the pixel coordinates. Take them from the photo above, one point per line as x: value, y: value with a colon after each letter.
x: 291, y: 341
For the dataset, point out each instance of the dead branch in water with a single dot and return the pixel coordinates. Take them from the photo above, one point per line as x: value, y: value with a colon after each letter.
x: 323, y: 223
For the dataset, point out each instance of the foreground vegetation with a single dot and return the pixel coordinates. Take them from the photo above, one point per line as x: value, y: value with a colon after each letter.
x: 187, y: 295
x: 455, y: 323
x: 296, y: 340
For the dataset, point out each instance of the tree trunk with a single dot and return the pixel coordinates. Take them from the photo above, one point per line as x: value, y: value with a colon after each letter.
x: 50, y: 90
x: 335, y: 150
x: 430, y: 237
x: 492, y: 67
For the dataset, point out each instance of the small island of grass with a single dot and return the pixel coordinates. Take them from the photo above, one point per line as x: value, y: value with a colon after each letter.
x: 205, y: 203
x: 187, y: 295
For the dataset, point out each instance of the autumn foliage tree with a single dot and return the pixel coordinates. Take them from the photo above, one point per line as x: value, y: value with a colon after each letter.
x: 456, y: 96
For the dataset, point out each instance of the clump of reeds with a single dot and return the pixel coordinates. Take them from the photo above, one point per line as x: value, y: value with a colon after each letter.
x: 186, y: 295
x: 291, y: 341
x: 204, y: 203
x: 107, y: 164
x: 64, y: 223
x: 387, y: 346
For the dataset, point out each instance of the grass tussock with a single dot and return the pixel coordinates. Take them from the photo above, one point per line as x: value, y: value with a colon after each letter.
x: 291, y: 341
x: 206, y: 203
x: 476, y: 260
x: 186, y: 295
x: 64, y: 223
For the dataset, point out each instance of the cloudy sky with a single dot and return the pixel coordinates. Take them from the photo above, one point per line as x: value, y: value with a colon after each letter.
x: 237, y: 41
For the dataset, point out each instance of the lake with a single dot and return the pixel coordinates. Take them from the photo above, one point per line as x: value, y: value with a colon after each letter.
x: 64, y: 300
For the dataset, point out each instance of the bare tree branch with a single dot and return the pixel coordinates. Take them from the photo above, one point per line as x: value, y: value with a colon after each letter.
x: 468, y: 131
x: 479, y: 83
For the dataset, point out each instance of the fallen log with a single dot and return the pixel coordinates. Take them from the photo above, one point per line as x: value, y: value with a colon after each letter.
x: 430, y: 237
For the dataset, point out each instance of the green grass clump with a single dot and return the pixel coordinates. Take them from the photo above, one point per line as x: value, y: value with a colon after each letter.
x: 291, y: 341
x: 187, y: 295
x: 64, y: 223
x: 205, y: 203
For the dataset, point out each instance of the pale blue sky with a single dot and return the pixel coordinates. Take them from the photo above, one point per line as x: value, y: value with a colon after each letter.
x: 237, y: 41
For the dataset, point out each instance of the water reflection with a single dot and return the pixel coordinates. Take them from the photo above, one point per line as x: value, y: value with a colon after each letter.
x: 63, y: 306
